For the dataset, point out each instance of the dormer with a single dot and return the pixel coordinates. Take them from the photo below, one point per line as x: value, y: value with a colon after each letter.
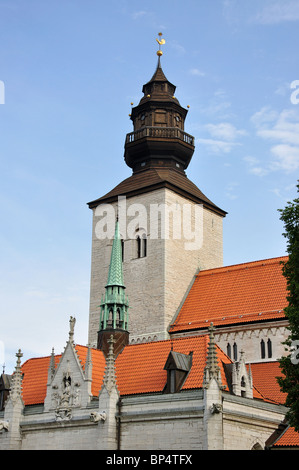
x: 178, y: 366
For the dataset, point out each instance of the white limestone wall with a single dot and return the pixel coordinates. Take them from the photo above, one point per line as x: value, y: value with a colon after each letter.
x: 155, y: 284
x: 177, y: 421
x: 249, y: 339
x: 163, y: 422
x: 248, y: 423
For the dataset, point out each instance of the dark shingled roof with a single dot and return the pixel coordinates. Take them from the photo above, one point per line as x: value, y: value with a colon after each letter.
x: 156, y: 178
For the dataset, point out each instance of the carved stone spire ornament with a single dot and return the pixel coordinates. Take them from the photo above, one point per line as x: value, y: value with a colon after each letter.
x: 110, y: 377
x: 16, y: 385
x: 72, y: 329
x: 212, y: 369
x: 51, y: 370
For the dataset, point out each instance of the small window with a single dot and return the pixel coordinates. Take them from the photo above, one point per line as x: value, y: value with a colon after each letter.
x: 229, y: 350
x: 141, y: 246
x: 144, y: 245
x: 263, y: 351
x: 138, y: 246
x: 235, y: 349
x: 122, y: 250
x: 269, y: 347
x: 110, y: 319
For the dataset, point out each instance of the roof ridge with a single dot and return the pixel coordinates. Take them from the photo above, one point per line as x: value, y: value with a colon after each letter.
x: 168, y: 340
x: 248, y: 264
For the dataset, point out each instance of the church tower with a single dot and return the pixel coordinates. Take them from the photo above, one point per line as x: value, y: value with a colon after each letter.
x: 168, y: 228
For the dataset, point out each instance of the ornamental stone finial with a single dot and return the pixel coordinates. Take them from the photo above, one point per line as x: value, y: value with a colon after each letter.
x: 72, y: 328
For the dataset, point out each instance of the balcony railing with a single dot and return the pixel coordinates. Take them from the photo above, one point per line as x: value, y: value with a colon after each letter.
x: 160, y: 132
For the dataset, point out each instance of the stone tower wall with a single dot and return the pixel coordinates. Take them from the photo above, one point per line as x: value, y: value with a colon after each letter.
x: 156, y: 283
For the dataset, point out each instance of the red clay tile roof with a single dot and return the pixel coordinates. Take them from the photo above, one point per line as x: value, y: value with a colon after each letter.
x: 241, y: 293
x: 139, y: 368
x: 264, y: 378
x: 290, y: 438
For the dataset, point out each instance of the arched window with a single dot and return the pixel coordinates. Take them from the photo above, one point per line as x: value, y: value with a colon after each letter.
x: 110, y: 318
x: 141, y: 245
x: 122, y: 250
x: 229, y: 350
x: 144, y: 245
x: 118, y: 318
x: 263, y: 352
x: 235, y: 350
x: 138, y: 246
x: 269, y: 347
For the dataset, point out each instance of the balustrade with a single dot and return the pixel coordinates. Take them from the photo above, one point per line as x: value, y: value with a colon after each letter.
x: 160, y: 132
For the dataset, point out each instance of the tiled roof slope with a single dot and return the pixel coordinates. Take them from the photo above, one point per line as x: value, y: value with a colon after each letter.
x: 35, y: 374
x: 290, y: 438
x: 241, y: 293
x: 139, y: 368
x: 264, y: 378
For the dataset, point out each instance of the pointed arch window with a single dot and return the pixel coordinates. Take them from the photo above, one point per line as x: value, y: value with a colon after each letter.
x: 235, y: 351
x: 141, y: 245
x: 263, y: 351
x: 229, y: 350
x: 110, y: 318
x: 138, y: 246
x: 269, y: 348
x: 122, y: 250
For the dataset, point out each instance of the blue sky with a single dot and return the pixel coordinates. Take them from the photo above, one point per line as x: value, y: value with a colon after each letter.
x: 70, y: 69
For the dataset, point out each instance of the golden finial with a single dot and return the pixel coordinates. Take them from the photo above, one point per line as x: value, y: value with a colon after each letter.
x: 160, y: 42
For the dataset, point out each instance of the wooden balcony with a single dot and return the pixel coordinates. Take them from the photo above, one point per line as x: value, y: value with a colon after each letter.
x: 163, y: 133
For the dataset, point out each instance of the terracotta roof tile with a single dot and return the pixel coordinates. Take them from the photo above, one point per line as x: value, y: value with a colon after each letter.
x: 290, y: 438
x: 242, y: 293
x: 35, y: 376
x: 139, y: 368
x: 264, y: 378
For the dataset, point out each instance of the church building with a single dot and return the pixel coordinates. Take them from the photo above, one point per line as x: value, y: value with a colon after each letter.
x: 182, y: 351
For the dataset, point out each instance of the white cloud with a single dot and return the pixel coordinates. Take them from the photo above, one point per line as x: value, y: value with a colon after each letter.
x: 217, y: 146
x: 224, y: 130
x: 197, y: 72
x: 180, y: 50
x: 279, y: 11
x: 138, y: 14
x: 222, y: 137
x: 286, y: 128
x: 287, y: 158
x: 264, y: 116
x: 282, y: 129
x: 255, y: 168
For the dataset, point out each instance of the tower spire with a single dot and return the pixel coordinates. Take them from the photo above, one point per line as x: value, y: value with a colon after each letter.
x: 115, y: 276
x: 114, y: 318
x: 158, y: 138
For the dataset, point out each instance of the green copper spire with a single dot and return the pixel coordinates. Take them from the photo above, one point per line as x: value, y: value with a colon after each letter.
x: 115, y: 276
x: 114, y: 305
